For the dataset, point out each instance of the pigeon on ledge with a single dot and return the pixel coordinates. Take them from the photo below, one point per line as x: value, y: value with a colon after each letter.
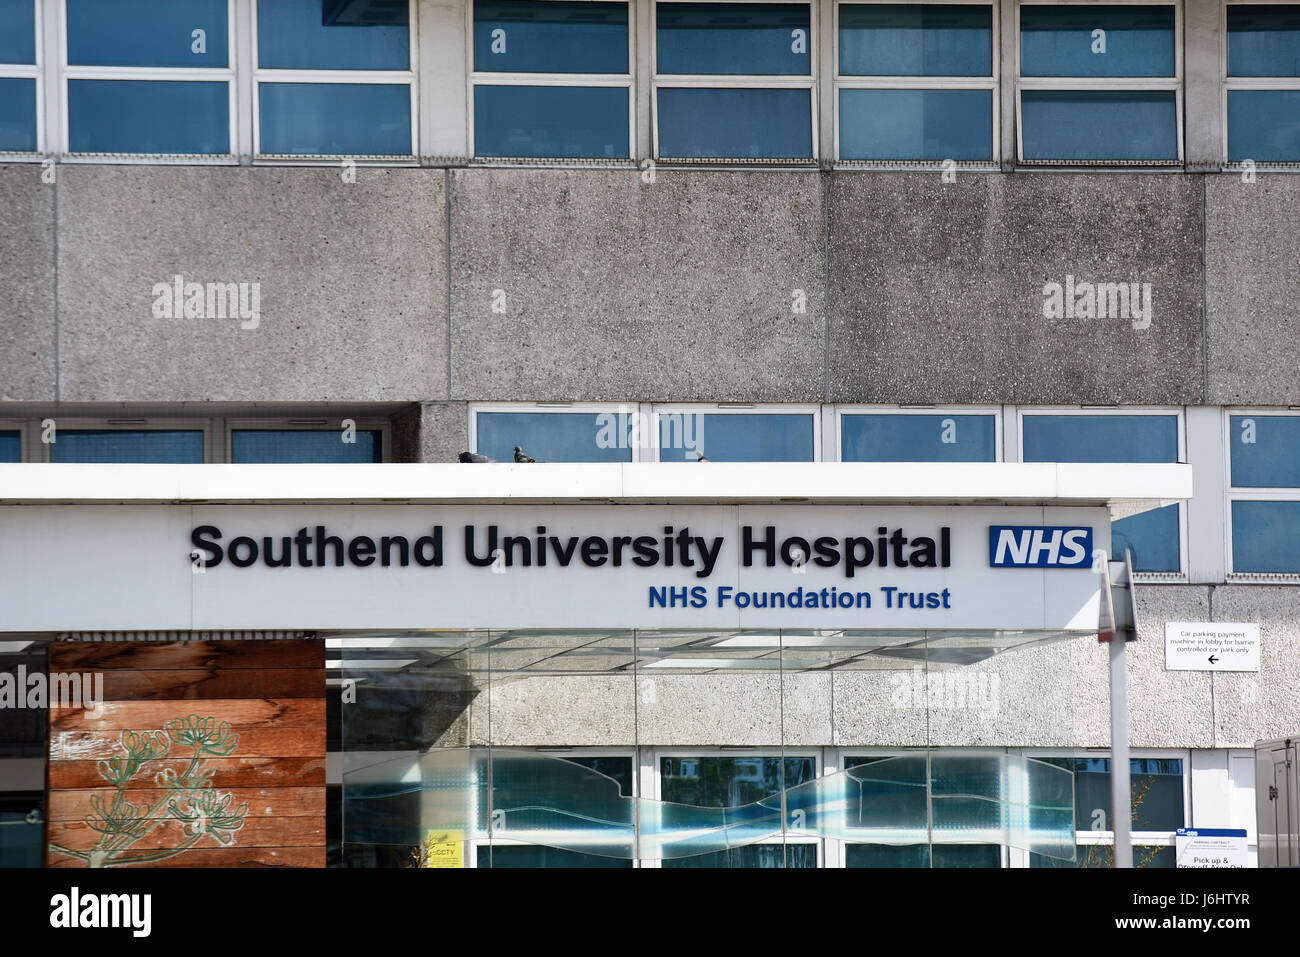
x: 699, y: 457
x: 474, y: 457
x: 521, y: 456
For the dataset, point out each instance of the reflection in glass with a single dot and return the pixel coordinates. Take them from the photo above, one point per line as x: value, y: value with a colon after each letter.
x: 1156, y: 784
x: 914, y: 39
x: 122, y: 116
x: 312, y: 35
x: 556, y: 436
x: 1059, y: 40
x: 732, y: 38
x: 550, y: 36
x: 1263, y: 39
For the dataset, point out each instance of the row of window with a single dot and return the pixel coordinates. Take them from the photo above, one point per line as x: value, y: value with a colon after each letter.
x: 912, y: 82
x: 1263, y: 481
x: 702, y: 779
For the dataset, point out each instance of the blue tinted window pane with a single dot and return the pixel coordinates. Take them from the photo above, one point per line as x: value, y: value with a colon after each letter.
x: 1263, y: 40
x: 1264, y: 125
x: 18, y: 114
x: 550, y: 36
x: 556, y: 436
x: 302, y: 445
x: 17, y: 31
x: 752, y: 856
x: 1060, y: 40
x: 913, y: 39
x: 1266, y: 537
x: 1265, y: 451
x: 330, y: 35
x: 735, y: 124
x: 530, y: 855
x: 123, y: 116
x: 563, y: 121
x: 340, y: 119
x: 916, y: 124
x: 85, y: 445
x: 732, y: 38
x: 147, y: 33
x: 1099, y: 124
x: 918, y: 438
x: 11, y: 447
x: 1100, y: 438
x: 735, y: 438
x: 1152, y: 536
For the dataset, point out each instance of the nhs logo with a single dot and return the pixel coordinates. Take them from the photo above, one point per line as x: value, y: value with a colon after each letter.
x: 1040, y: 546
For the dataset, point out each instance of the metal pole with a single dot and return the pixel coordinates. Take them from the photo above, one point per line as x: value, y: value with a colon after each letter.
x: 1120, y: 793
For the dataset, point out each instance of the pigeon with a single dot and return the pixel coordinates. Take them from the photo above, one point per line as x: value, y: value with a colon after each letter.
x: 699, y: 457
x: 474, y: 457
x: 521, y: 457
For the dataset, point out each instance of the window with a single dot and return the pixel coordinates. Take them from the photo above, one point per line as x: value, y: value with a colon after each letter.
x: 589, y: 434
x: 1262, y: 98
x: 552, y: 78
x: 916, y: 82
x: 1264, y: 493
x: 22, y: 829
x: 11, y: 446
x: 958, y: 436
x: 306, y: 445
x: 127, y: 446
x: 334, y: 79
x: 1099, y: 83
x: 1153, y: 536
x: 724, y: 435
x: 20, y: 78
x: 148, y: 77
x: 734, y: 81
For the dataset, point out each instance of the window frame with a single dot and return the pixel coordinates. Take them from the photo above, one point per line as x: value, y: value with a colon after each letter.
x: 640, y: 452
x: 657, y: 409
x: 301, y: 424
x: 410, y: 77
x: 743, y: 81
x: 840, y: 81
x: 475, y: 78
x: 1114, y: 84
x: 844, y: 409
x: 24, y: 429
x: 1022, y: 412
x: 227, y: 74
x: 211, y: 453
x: 1242, y: 493
x: 31, y: 71
x: 1229, y: 83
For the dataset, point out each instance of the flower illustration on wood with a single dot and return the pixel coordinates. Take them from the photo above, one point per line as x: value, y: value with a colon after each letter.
x: 189, y: 810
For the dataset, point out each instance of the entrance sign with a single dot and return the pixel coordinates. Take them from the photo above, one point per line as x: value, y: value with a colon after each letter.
x: 377, y: 566
x: 1211, y: 646
x: 1211, y: 847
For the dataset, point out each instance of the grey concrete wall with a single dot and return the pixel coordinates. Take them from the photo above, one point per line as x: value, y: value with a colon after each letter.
x: 352, y: 280
x: 27, y: 339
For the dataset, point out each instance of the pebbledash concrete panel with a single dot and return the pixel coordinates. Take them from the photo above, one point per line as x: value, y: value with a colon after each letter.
x: 27, y: 347
x: 1029, y: 288
x: 444, y: 431
x: 340, y: 287
x: 1166, y: 709
x: 1259, y: 706
x: 700, y: 285
x: 1252, y: 290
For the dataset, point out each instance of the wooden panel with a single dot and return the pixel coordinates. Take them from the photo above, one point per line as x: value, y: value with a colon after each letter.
x: 203, y: 754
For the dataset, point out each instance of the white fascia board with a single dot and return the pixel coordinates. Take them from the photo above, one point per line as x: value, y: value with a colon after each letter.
x: 1132, y: 487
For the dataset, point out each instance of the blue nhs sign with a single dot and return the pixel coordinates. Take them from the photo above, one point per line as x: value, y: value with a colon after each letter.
x: 1040, y: 546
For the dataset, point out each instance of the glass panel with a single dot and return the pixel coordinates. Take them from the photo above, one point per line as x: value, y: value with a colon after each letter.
x: 147, y: 33
x: 121, y: 116
x: 537, y: 855
x: 87, y: 445
x: 11, y: 447
x: 1266, y: 537
x: 551, y: 121
x: 918, y: 438
x: 338, y: 119
x: 753, y: 855
x: 555, y: 436
x: 550, y: 36
x: 304, y: 445
x: 1263, y: 40
x: 1151, y: 536
x: 1100, y: 40
x: 18, y: 38
x: 18, y: 114
x: 913, y: 39
x: 887, y: 855
x: 732, y: 38
x: 1103, y: 855
x: 738, y: 437
x: 1099, y: 124
x: 916, y: 124
x: 1264, y: 125
x: 735, y: 124
x: 21, y: 830
x: 1265, y: 451
x: 1156, y: 785
x: 967, y: 855
x: 320, y: 35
